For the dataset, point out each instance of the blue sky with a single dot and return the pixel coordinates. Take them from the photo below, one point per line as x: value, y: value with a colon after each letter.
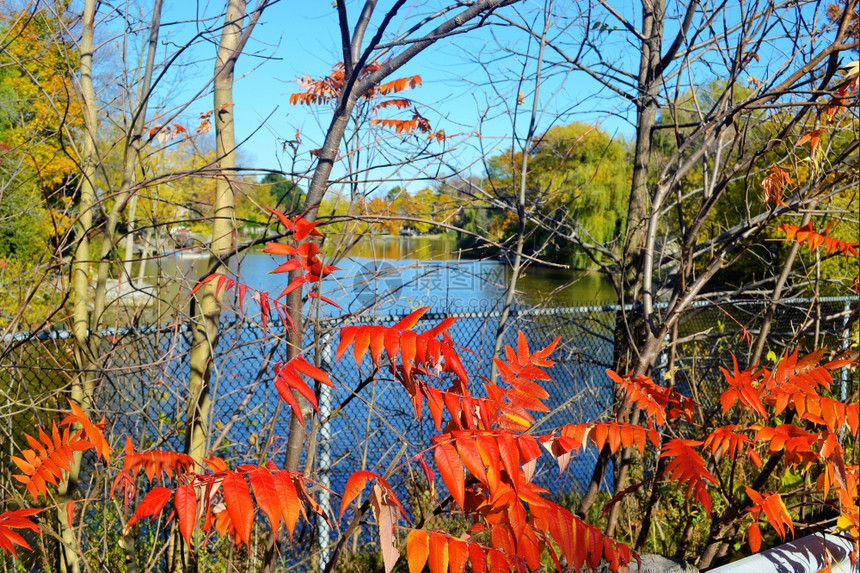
x: 293, y: 40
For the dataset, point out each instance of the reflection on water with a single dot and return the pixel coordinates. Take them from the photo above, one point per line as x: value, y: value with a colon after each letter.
x: 434, y: 272
x: 397, y: 274
x: 422, y: 248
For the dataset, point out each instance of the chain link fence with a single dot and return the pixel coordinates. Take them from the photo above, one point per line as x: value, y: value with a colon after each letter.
x: 368, y: 422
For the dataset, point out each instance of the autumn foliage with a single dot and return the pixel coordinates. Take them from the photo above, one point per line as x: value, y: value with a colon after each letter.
x: 486, y: 451
x: 329, y: 89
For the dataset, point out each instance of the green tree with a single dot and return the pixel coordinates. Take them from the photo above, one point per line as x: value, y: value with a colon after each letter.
x: 578, y: 176
x: 288, y: 197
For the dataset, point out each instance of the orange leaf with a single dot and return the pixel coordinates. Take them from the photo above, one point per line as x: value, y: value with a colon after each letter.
x: 725, y: 440
x: 263, y: 485
x: 152, y: 504
x: 687, y: 466
x: 813, y: 137
x: 400, y: 103
x: 92, y: 432
x: 237, y: 497
x: 49, y: 457
x: 755, y: 537
x: 438, y: 553
x: 814, y: 239
x: 468, y: 450
x: 451, y: 471
x: 290, y: 504
x: 417, y: 550
x: 279, y: 249
x: 16, y: 519
x: 185, y: 504
x: 354, y: 486
x: 410, y: 320
x: 743, y: 389
x: 477, y: 558
x: 458, y: 554
x: 303, y: 366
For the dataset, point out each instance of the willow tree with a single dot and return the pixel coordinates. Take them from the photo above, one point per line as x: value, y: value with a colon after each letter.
x: 577, y: 173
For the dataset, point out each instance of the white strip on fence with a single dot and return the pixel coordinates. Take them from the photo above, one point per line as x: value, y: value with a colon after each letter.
x: 805, y: 555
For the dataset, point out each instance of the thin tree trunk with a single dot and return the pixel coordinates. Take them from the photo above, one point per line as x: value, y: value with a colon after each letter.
x: 128, y: 194
x: 319, y: 184
x: 84, y: 382
x: 353, y: 45
x: 134, y: 141
x: 205, y: 334
x: 630, y: 329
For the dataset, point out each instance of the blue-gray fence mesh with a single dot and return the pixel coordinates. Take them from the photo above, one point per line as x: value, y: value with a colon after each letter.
x: 143, y: 374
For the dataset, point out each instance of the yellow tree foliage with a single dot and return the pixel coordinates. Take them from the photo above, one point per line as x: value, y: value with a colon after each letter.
x: 39, y: 104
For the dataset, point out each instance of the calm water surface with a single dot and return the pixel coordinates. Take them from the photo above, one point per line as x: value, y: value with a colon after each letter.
x: 401, y: 273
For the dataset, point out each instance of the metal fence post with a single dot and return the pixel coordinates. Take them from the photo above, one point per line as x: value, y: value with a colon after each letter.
x: 846, y: 335
x: 325, y: 400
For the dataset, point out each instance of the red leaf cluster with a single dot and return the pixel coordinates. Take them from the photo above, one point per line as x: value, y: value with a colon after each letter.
x: 417, y: 123
x: 612, y: 434
x: 483, y: 456
x: 159, y: 465
x: 16, y: 519
x: 658, y: 402
x: 813, y: 239
x: 774, y: 184
x: 688, y: 467
x: 329, y: 88
x: 288, y: 377
x: 742, y: 389
x: 305, y: 256
x: 774, y: 509
x: 223, y: 501
x: 47, y: 458
x: 799, y: 385
x: 813, y: 138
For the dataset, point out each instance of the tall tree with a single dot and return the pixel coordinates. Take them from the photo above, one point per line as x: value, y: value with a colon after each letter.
x: 235, y: 34
x: 84, y: 384
x: 386, y: 57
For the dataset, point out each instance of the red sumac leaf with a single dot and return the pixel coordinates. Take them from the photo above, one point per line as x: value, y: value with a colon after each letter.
x: 237, y: 497
x: 347, y: 335
x: 410, y: 320
x: 152, y: 504
x: 291, y: 506
x: 185, y: 504
x: 354, y: 486
x: 477, y: 558
x: 438, y: 553
x: 16, y: 519
x: 265, y: 492
x: 451, y: 471
x: 754, y: 537
x: 458, y: 554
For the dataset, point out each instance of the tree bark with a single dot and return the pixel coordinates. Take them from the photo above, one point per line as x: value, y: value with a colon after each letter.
x: 84, y: 383
x: 127, y: 195
x: 631, y: 331
x: 206, y: 328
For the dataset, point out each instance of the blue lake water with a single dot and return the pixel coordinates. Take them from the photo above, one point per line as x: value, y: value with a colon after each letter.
x: 396, y: 274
